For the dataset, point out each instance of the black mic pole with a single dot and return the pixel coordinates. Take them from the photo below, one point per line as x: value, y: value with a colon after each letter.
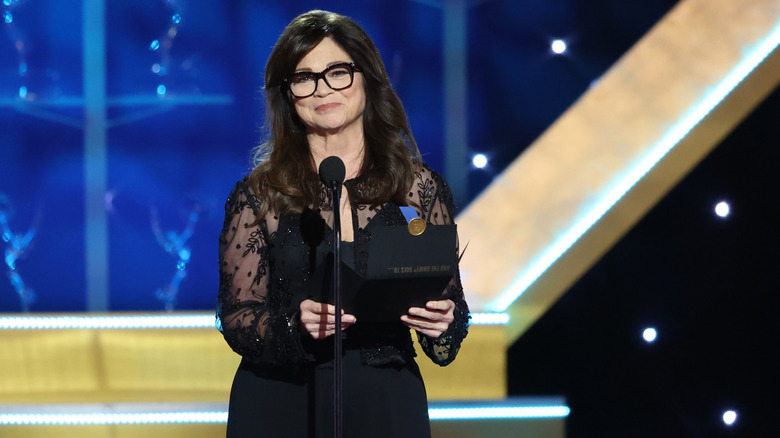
x: 332, y: 173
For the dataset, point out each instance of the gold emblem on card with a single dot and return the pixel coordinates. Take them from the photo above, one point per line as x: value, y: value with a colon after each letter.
x: 416, y: 226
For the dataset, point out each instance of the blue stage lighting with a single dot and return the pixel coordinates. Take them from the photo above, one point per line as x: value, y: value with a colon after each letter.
x: 100, y: 418
x: 154, y: 45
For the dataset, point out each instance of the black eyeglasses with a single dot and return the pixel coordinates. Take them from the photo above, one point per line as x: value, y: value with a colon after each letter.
x: 337, y: 77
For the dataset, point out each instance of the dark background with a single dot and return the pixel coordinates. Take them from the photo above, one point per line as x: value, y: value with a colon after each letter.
x: 707, y: 284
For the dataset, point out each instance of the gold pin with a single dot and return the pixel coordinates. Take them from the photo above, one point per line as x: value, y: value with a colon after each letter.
x: 416, y: 226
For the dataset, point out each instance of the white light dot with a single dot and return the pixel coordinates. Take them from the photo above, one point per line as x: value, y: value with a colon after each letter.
x: 649, y: 335
x: 558, y: 46
x: 729, y: 417
x: 722, y: 209
x: 479, y: 161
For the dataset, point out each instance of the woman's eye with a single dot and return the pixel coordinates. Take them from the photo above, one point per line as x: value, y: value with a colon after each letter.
x: 300, y: 79
x: 338, y: 72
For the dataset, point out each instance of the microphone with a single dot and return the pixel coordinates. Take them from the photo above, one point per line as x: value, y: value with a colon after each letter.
x: 332, y: 172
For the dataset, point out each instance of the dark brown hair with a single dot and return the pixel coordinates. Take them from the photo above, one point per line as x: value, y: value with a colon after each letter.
x: 284, y: 176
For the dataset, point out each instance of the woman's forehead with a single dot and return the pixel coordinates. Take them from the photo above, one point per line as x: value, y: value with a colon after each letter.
x: 326, y: 53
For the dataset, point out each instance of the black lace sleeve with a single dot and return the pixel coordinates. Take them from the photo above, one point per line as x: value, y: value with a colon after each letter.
x: 251, y: 325
x: 431, y: 192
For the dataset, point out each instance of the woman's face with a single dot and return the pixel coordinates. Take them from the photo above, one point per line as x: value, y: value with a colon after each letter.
x: 327, y: 110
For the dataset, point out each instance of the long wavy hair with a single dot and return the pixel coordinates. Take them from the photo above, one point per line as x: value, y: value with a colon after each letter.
x: 284, y: 175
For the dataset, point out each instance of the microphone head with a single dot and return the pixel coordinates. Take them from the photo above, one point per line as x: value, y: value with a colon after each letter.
x: 332, y: 171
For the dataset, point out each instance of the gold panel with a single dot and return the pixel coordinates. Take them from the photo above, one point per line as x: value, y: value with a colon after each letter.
x: 167, y: 360
x: 189, y: 365
x: 479, y: 371
x: 42, y: 362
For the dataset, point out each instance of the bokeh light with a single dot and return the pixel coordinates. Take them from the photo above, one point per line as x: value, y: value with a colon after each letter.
x: 730, y: 417
x: 649, y: 335
x: 558, y: 46
x: 479, y: 161
x: 722, y: 209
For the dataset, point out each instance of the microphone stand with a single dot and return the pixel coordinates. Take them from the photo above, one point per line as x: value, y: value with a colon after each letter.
x: 337, y: 344
x: 332, y: 173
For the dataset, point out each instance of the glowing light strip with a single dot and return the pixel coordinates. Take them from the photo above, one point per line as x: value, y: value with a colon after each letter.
x: 657, y: 152
x: 498, y: 412
x: 157, y: 321
x: 435, y: 414
x: 106, y: 322
x: 113, y: 418
x: 489, y: 318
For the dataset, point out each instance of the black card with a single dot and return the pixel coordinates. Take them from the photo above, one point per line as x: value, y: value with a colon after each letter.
x: 403, y: 271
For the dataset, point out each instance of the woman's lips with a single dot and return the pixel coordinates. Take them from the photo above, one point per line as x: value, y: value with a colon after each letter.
x: 327, y: 107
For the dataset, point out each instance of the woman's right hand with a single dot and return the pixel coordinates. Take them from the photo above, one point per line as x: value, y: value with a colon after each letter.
x: 319, y: 319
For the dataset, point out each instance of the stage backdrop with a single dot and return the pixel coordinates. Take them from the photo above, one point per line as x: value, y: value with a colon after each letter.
x: 156, y: 104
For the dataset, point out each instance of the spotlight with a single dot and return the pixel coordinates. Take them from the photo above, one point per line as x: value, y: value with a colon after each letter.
x: 729, y: 417
x: 722, y: 209
x: 479, y: 161
x: 22, y: 92
x: 649, y: 335
x: 161, y: 90
x: 154, y: 45
x: 558, y: 46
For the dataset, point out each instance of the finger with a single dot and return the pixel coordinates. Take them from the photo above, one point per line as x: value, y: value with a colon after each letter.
x: 440, y: 305
x: 319, y: 330
x: 424, y: 323
x: 311, y: 306
x: 428, y: 329
x: 322, y: 334
x: 432, y: 315
x: 325, y: 318
x: 327, y: 309
x: 317, y: 307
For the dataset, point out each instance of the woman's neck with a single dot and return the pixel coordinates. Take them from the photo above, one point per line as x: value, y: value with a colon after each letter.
x: 348, y: 147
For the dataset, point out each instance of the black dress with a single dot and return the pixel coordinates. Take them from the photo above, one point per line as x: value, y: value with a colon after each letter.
x: 284, y: 385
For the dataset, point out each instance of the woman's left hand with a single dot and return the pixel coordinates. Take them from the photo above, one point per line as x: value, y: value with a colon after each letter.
x: 432, y: 320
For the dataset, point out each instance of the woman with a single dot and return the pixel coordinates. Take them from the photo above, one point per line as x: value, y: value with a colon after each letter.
x: 327, y: 94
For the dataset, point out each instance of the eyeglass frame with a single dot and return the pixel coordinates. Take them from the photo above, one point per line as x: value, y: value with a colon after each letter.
x: 321, y: 75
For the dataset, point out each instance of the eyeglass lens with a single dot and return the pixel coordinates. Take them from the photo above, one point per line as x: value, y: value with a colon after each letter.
x: 336, y: 77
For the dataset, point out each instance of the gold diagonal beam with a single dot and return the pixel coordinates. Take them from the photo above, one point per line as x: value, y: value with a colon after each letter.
x: 609, y: 158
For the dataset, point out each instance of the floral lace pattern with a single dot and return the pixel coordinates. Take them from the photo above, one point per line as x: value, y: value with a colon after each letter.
x: 265, y: 265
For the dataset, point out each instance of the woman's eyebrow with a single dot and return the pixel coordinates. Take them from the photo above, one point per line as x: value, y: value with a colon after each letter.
x: 331, y: 64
